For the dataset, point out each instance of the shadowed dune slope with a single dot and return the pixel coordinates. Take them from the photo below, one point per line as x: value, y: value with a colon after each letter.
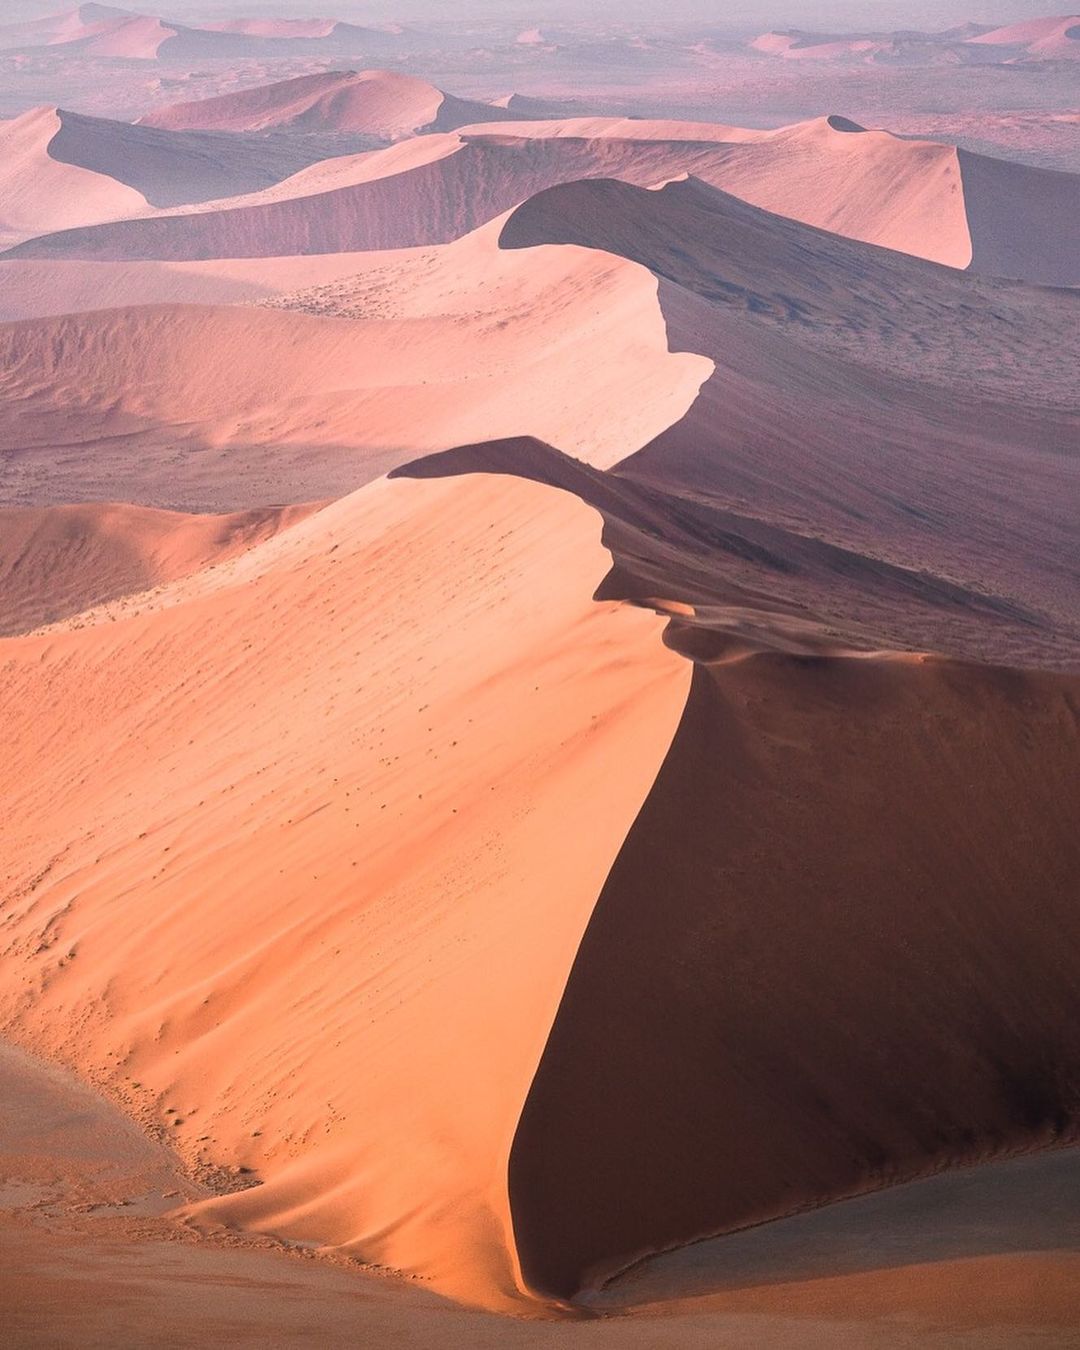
x: 378, y: 103
x: 324, y: 825
x: 39, y: 193
x: 177, y: 168
x: 1023, y: 220
x: 913, y: 417
x: 863, y: 969
x: 256, y: 405
x: 916, y: 197
x: 58, y: 561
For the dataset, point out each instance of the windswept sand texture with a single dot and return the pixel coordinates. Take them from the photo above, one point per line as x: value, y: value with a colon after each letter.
x: 539, y: 686
x: 61, y: 560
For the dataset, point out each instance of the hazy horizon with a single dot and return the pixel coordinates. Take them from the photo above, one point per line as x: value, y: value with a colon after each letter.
x: 851, y: 14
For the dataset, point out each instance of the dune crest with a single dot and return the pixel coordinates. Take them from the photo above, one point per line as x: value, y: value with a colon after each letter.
x: 380, y: 103
x: 919, y: 197
x: 476, y: 339
x: 39, y: 193
x: 356, y: 1015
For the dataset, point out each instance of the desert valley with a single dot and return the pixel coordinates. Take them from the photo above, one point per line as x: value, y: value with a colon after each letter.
x: 540, y: 677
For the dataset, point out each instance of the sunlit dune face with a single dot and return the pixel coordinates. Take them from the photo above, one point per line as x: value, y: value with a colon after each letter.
x: 539, y: 677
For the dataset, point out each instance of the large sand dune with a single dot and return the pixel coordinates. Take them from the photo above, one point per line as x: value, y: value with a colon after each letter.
x: 807, y: 1032
x: 540, y: 695
x: 916, y: 197
x: 378, y: 726
x: 853, y: 390
x: 40, y: 193
x: 380, y: 103
x: 178, y: 168
x: 264, y: 406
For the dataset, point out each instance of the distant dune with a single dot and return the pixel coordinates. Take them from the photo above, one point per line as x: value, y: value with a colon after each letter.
x: 853, y: 389
x: 59, y: 166
x: 103, y: 31
x: 918, y: 197
x: 1047, y: 39
x: 1050, y: 39
x: 58, y: 561
x: 378, y: 103
x: 40, y: 193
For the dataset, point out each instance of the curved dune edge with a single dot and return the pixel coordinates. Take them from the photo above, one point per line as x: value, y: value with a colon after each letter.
x: 835, y: 953
x: 269, y: 405
x: 859, y: 973
x: 41, y: 194
x: 326, y: 825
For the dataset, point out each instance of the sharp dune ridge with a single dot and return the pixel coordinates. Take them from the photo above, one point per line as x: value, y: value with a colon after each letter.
x: 384, y: 104
x: 540, y: 694
x: 917, y: 197
x: 481, y: 331
x: 371, y: 730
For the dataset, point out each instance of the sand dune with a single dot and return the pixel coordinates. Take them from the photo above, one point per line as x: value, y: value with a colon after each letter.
x: 264, y: 406
x: 824, y: 1044
x: 1046, y: 39
x: 539, y: 757
x: 58, y: 168
x: 866, y: 1274
x: 33, y: 289
x: 853, y: 390
x: 917, y: 197
x: 58, y: 561
x: 175, y: 168
x: 40, y: 193
x: 1052, y: 38
x: 94, y: 30
x: 379, y: 103
x: 384, y: 796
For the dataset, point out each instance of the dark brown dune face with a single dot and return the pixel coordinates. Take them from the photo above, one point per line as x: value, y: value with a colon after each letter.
x: 836, y: 952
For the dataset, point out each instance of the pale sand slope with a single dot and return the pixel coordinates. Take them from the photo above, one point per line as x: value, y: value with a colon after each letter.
x: 382, y: 103
x: 313, y: 847
x: 1049, y: 39
x: 476, y: 342
x: 58, y: 561
x: 39, y: 193
x: 854, y: 394
x: 33, y: 289
x: 917, y: 197
x: 81, y: 1242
